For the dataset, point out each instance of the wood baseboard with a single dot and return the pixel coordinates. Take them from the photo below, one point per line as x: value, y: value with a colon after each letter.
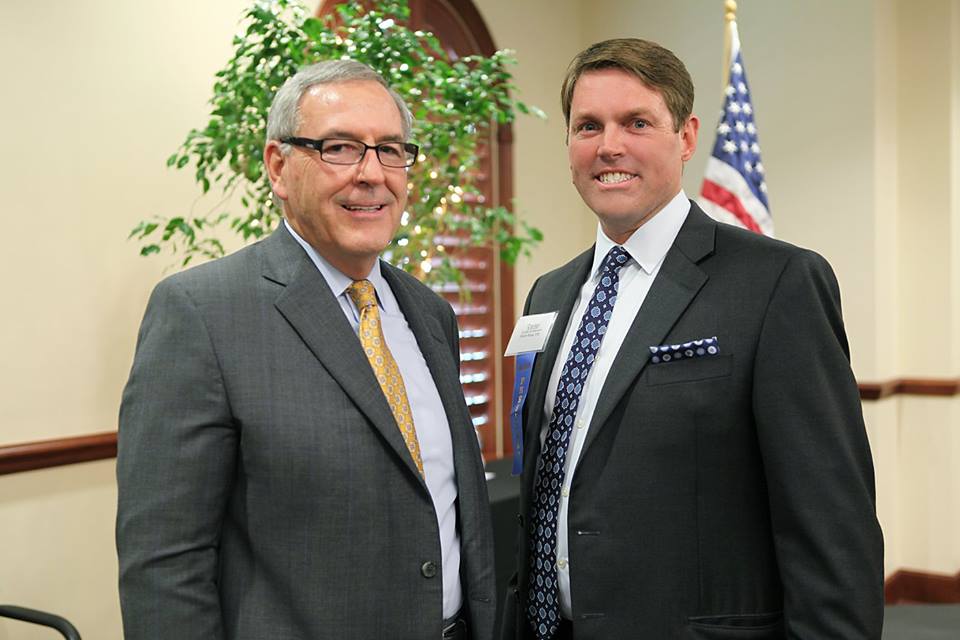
x: 907, y: 586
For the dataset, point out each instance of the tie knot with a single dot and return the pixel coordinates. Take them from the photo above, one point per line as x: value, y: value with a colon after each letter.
x: 616, y: 258
x: 362, y: 293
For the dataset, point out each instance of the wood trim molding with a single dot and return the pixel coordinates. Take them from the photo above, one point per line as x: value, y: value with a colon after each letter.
x: 877, y: 390
x: 943, y: 387
x: 100, y: 446
x: 54, y: 453
x: 907, y: 586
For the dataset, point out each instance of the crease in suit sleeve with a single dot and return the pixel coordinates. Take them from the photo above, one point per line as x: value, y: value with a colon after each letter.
x: 175, y: 466
x: 817, y: 460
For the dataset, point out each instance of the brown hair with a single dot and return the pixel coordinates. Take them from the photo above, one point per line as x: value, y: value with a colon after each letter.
x: 656, y: 67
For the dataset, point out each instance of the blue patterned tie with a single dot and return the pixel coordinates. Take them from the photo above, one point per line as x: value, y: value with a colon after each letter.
x: 543, y: 606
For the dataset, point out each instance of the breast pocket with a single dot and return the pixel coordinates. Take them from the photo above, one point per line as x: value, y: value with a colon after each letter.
x: 690, y: 370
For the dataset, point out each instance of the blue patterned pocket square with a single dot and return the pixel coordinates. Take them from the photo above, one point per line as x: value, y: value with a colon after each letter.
x: 702, y: 348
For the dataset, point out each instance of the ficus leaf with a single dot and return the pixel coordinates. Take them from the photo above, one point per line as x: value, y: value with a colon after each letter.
x: 455, y: 103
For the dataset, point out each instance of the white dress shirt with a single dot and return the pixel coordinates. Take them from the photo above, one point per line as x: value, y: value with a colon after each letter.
x: 647, y: 247
x: 429, y: 418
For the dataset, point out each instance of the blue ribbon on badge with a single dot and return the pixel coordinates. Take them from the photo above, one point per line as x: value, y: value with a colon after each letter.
x: 521, y: 384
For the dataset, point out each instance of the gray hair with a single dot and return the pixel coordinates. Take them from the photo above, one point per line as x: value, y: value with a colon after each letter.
x: 284, y: 118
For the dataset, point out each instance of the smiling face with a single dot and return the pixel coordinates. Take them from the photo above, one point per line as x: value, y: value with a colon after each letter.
x: 626, y: 156
x: 348, y: 213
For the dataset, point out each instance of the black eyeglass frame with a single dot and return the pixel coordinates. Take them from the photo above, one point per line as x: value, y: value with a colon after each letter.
x: 411, y: 150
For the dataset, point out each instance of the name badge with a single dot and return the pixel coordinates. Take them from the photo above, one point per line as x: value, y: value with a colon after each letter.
x: 531, y: 333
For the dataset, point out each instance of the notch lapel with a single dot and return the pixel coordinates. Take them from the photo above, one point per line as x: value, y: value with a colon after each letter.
x: 675, y: 287
x: 307, y: 303
x: 473, y: 513
x: 436, y: 353
x: 563, y: 290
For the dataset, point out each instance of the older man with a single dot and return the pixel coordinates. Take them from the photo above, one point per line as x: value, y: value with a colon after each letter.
x: 295, y: 456
x: 696, y: 465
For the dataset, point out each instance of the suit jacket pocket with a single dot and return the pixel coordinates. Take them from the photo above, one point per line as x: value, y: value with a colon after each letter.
x: 755, y: 626
x: 690, y: 370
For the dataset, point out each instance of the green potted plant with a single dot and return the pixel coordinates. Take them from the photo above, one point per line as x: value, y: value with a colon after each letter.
x: 455, y: 103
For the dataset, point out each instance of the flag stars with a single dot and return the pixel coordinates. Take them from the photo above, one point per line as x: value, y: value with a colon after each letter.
x: 755, y: 148
x: 752, y: 130
x: 723, y: 129
x: 742, y: 88
x: 734, y: 108
x: 740, y: 127
x: 747, y: 108
x: 763, y: 187
x: 730, y: 146
x: 748, y: 167
x: 759, y: 169
x: 736, y: 68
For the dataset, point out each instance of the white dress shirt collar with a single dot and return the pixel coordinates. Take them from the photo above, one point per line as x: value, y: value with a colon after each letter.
x: 649, y: 244
x: 338, y: 282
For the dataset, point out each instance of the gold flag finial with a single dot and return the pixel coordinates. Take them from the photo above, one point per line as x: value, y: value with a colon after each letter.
x: 730, y: 20
x: 730, y: 10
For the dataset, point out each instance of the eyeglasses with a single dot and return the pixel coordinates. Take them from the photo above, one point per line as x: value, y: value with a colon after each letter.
x: 340, y: 151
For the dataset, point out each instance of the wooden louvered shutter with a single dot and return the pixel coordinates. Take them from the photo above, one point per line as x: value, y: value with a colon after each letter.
x: 487, y: 318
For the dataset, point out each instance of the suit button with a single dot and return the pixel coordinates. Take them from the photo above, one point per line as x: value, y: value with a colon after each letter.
x: 428, y: 569
x: 520, y: 520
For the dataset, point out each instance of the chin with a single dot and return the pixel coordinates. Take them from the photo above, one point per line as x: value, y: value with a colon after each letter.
x: 371, y: 246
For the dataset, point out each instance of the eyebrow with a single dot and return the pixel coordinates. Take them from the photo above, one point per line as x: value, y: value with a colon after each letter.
x: 343, y: 134
x: 636, y: 113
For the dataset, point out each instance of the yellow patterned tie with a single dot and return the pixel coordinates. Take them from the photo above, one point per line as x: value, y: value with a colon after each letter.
x: 384, y: 366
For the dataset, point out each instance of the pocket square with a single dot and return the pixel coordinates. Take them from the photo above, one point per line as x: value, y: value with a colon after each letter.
x: 701, y: 348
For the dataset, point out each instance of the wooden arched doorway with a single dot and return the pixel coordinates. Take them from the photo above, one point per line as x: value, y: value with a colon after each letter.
x: 487, y: 320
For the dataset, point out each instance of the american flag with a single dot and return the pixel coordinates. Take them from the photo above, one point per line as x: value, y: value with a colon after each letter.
x: 734, y: 189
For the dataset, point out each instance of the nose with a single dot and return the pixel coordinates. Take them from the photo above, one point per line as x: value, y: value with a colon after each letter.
x: 611, y: 143
x: 370, y: 171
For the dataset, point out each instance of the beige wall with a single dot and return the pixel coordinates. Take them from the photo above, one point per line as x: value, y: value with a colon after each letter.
x: 541, y: 157
x: 928, y: 260
x: 858, y: 107
x: 57, y: 548
x: 96, y: 95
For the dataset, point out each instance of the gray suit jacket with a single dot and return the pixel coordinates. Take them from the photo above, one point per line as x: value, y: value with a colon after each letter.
x: 723, y: 497
x: 264, y: 488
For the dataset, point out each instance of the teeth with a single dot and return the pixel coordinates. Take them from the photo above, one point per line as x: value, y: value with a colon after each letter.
x: 614, y: 177
x: 367, y: 209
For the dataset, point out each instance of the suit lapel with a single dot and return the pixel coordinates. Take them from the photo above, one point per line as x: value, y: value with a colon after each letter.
x: 436, y: 352
x: 560, y: 294
x: 472, y: 507
x: 313, y: 311
x: 676, y: 285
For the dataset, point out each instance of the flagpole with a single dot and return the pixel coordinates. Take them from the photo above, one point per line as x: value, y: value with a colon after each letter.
x: 730, y: 20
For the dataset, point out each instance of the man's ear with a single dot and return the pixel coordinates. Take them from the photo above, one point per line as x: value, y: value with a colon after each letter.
x: 274, y: 160
x: 688, y: 137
